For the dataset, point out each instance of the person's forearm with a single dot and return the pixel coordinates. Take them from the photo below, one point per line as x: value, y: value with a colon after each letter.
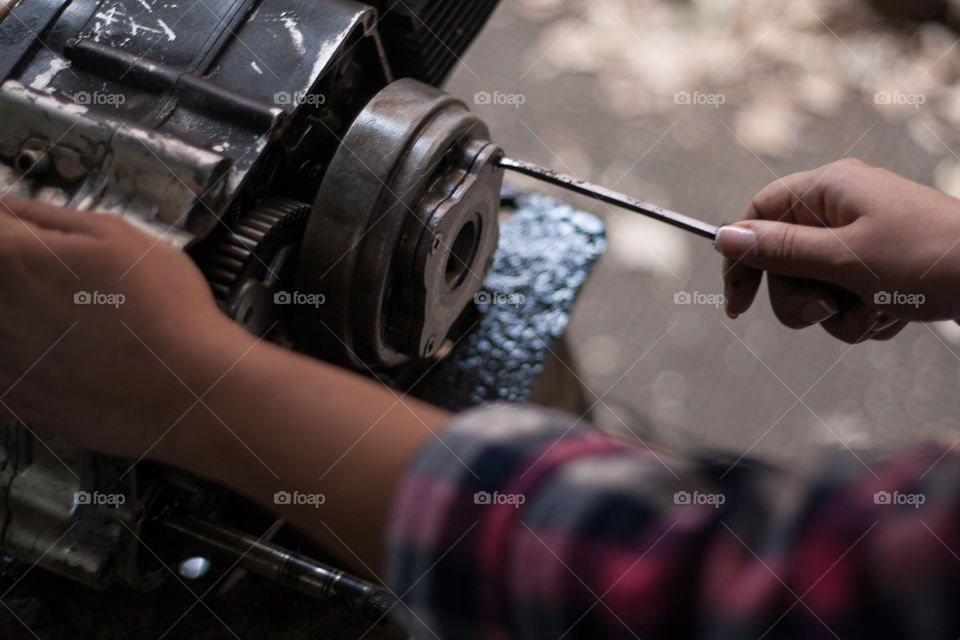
x: 266, y: 421
x: 280, y: 422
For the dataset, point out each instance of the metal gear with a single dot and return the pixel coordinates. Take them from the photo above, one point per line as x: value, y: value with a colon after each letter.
x: 248, y: 267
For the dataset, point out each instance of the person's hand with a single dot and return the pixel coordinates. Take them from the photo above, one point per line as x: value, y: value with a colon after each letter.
x: 854, y: 248
x: 162, y: 372
x: 108, y: 334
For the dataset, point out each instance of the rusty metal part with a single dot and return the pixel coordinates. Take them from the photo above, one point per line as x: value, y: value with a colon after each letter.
x: 161, y: 183
x: 71, y: 511
x: 169, y: 126
x: 612, y: 197
x: 403, y: 230
x: 285, y: 567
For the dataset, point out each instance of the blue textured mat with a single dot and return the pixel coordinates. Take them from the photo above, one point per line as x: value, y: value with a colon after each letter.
x: 547, y: 250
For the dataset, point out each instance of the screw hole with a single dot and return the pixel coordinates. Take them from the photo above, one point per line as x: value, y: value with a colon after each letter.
x: 26, y: 161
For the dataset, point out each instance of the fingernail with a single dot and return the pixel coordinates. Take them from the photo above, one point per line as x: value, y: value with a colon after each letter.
x: 735, y: 241
x: 880, y: 321
x: 818, y: 311
x: 732, y: 316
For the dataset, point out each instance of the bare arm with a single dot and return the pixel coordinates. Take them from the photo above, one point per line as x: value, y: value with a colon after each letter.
x: 279, y: 422
x: 150, y: 367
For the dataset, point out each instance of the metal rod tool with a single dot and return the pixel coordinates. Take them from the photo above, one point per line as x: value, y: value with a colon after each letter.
x: 612, y: 197
x: 285, y: 567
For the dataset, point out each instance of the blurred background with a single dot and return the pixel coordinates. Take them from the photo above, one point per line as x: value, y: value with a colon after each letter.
x: 696, y: 105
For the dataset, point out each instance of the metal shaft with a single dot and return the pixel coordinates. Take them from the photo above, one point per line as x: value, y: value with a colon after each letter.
x: 286, y: 568
x: 615, y: 198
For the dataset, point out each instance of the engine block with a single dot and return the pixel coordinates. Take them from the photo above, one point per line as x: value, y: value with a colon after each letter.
x: 300, y: 151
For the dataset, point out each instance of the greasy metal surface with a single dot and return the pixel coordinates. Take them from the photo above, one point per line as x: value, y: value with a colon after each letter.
x: 187, y: 89
x: 50, y: 511
x: 159, y: 182
x: 191, y: 85
x: 17, y: 35
x: 449, y: 247
x: 413, y: 170
x: 609, y: 196
x: 547, y: 250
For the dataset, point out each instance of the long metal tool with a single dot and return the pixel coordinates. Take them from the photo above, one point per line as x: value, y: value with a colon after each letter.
x: 612, y: 197
x: 287, y: 568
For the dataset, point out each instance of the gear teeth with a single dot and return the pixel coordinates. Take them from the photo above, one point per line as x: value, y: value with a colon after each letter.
x: 240, y: 250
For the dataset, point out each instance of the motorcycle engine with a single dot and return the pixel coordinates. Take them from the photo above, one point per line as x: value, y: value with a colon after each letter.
x: 300, y: 151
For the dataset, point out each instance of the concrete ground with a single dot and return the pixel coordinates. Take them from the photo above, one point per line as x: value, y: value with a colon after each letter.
x: 591, y: 88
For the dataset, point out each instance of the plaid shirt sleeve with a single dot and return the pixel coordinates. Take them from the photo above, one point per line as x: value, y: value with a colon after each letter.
x: 523, y: 523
